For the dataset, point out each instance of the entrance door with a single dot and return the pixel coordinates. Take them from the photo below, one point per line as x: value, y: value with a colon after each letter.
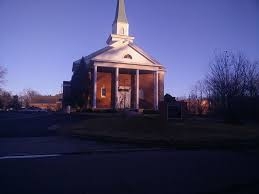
x: 124, y: 97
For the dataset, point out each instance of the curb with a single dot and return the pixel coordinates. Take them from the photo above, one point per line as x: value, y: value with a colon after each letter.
x: 181, y: 145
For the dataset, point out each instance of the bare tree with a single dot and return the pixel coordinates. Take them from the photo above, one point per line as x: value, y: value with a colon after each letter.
x: 5, y: 99
x: 252, y: 81
x: 198, y: 101
x: 232, y: 82
x: 27, y: 95
x: 3, y: 72
x: 231, y: 75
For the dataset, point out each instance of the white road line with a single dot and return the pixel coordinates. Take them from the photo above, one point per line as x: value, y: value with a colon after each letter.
x: 112, y: 151
x: 29, y: 156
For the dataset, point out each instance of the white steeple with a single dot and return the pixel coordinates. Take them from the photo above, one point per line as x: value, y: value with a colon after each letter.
x: 120, y: 26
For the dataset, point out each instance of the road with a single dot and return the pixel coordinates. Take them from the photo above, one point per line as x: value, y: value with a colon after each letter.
x: 41, y: 161
x: 16, y: 124
x: 134, y: 172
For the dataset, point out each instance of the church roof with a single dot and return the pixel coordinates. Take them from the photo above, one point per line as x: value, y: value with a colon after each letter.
x: 96, y: 53
x: 120, y: 15
x: 141, y: 51
x: 107, y: 48
x: 89, y: 57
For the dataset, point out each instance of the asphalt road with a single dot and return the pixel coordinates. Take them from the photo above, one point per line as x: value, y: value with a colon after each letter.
x: 26, y: 124
x: 36, y: 134
x: 133, y: 172
x: 34, y: 159
x: 18, y: 124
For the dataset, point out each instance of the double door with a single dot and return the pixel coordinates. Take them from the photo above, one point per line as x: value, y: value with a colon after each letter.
x: 124, y: 97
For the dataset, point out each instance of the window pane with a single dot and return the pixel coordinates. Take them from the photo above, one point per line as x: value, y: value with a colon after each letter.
x: 103, y: 92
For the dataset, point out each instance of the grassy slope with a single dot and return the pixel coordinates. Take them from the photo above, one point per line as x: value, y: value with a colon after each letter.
x: 152, y: 129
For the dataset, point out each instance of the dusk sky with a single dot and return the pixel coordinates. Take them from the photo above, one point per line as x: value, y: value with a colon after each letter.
x: 40, y: 39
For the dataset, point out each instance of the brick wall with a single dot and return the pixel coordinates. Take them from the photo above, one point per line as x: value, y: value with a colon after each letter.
x: 125, y: 80
x: 104, y: 79
x: 161, y: 87
x: 146, y: 83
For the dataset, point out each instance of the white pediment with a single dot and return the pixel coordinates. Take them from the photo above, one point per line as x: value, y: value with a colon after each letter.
x: 124, y: 54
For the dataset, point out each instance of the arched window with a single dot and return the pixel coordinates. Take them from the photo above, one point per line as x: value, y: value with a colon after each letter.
x: 128, y: 56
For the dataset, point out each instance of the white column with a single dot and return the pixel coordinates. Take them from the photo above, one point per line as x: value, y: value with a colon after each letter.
x: 95, y: 86
x: 156, y: 90
x: 137, y: 89
x: 116, y: 86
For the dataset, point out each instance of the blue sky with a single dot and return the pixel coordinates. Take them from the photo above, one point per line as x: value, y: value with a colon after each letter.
x: 40, y: 39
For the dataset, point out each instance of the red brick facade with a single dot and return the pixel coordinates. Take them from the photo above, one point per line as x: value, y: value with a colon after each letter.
x: 106, y: 79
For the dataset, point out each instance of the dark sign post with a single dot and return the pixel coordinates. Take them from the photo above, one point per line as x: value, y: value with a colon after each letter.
x: 163, y: 110
x: 174, y: 111
x: 171, y: 110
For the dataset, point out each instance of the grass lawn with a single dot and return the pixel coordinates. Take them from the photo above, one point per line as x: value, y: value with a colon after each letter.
x: 152, y: 129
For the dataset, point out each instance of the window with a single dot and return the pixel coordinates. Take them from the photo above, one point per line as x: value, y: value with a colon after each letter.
x: 103, y: 92
x: 128, y: 56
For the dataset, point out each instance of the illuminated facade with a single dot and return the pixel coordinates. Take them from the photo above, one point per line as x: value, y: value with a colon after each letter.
x: 119, y: 76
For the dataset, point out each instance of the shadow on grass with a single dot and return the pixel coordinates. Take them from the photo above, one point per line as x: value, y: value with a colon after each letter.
x: 151, y: 129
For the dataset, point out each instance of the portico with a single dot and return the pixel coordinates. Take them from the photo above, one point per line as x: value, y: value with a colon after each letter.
x: 125, y: 82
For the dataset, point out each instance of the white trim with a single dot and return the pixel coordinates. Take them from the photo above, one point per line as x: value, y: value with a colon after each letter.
x: 114, y: 38
x: 131, y: 45
x: 124, y: 88
x: 143, y: 53
x: 103, y: 96
x: 137, y: 89
x: 127, y: 66
x: 128, y: 63
x: 117, y: 71
x: 156, y: 90
x: 95, y: 86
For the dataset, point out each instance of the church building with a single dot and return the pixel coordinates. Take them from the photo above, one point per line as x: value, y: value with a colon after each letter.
x: 118, y: 76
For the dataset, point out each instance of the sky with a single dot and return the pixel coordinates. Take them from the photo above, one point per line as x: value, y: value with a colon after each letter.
x: 40, y: 39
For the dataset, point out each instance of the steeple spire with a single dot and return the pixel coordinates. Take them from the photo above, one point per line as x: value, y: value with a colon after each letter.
x: 120, y: 25
x: 120, y: 15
